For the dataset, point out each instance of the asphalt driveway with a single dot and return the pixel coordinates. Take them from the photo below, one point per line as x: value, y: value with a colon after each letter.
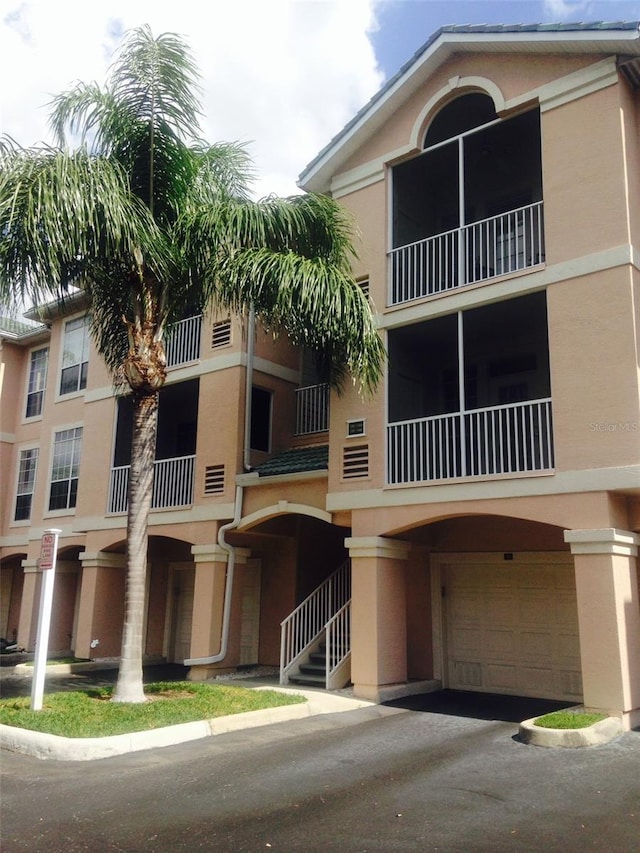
x: 376, y: 779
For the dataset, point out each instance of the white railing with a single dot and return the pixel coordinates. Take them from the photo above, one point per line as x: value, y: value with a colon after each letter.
x: 183, y: 341
x: 338, y: 647
x: 510, y: 439
x: 500, y: 245
x: 172, y: 484
x: 301, y: 629
x: 312, y: 409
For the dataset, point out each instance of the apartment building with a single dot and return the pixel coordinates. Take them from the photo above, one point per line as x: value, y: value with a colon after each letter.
x: 474, y: 525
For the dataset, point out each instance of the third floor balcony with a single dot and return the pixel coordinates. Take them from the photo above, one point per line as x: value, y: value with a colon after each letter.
x: 469, y: 208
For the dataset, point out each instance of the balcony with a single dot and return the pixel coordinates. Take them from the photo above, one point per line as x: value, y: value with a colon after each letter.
x: 183, y: 342
x: 312, y: 409
x: 173, y: 481
x: 501, y: 245
x: 512, y: 439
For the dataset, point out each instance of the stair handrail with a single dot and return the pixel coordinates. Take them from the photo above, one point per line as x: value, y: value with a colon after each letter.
x: 307, y: 622
x: 338, y: 641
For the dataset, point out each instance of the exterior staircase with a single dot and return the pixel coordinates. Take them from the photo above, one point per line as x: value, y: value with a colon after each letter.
x: 315, y: 646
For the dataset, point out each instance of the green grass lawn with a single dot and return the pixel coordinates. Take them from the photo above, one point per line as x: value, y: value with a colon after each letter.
x: 568, y: 720
x: 89, y: 713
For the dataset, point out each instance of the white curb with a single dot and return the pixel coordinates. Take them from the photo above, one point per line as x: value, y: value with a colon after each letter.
x: 42, y: 745
x: 594, y: 735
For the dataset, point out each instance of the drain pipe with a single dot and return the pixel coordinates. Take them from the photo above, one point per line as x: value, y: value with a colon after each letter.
x: 237, y: 513
x: 251, y: 333
x: 231, y: 562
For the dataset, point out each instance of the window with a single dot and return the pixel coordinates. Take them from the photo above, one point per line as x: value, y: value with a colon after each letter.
x: 64, y: 473
x: 260, y: 419
x: 26, y: 482
x: 37, y: 382
x: 75, y: 356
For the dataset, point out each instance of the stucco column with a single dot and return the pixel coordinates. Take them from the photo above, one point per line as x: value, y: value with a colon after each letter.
x: 378, y: 614
x: 609, y: 619
x: 101, y: 605
x: 28, y: 621
x: 211, y: 563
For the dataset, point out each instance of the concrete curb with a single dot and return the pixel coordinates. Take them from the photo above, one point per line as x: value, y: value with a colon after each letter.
x: 46, y: 746
x: 595, y: 735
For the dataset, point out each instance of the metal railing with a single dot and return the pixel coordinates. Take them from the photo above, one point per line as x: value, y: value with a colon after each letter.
x: 303, y: 626
x: 338, y: 647
x: 183, y: 341
x: 312, y: 409
x: 500, y: 245
x: 173, y: 481
x: 510, y: 439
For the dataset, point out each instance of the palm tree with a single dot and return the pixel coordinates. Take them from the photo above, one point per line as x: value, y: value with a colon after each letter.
x: 151, y: 221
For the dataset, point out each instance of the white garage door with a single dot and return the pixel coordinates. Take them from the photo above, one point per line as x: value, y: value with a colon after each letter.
x: 512, y: 626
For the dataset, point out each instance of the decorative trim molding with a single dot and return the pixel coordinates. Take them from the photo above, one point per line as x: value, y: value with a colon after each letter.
x: 102, y: 560
x: 508, y: 488
x: 608, y: 540
x: 216, y: 554
x: 482, y: 84
x: 283, y: 508
x: 377, y: 546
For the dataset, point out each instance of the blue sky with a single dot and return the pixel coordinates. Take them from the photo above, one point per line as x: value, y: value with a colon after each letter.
x: 405, y: 25
x: 281, y: 76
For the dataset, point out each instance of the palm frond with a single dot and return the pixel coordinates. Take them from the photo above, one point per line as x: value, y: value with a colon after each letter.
x: 58, y: 212
x: 156, y: 80
x: 316, y: 303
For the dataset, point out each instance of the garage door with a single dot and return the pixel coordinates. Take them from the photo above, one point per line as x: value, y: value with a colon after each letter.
x: 511, y: 626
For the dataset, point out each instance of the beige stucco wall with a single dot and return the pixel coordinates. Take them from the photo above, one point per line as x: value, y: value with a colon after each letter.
x: 513, y: 76
x: 584, y: 180
x: 594, y: 379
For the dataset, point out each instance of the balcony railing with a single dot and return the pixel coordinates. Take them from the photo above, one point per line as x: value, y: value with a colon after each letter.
x: 172, y: 484
x: 511, y: 439
x: 501, y: 245
x: 183, y: 342
x: 312, y: 409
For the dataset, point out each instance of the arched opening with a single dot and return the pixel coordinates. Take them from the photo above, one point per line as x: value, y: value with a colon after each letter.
x: 469, y: 207
x: 11, y: 585
x: 491, y: 607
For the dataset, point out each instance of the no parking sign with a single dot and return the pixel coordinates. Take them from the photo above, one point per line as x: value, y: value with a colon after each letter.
x: 46, y: 563
x: 47, y: 551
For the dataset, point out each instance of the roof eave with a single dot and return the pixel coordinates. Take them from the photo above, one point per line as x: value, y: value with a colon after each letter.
x: 316, y: 177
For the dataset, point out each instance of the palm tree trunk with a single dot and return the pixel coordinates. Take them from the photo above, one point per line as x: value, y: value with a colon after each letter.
x: 129, y: 687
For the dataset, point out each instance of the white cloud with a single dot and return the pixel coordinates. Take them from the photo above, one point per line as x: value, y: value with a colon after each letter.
x: 565, y: 10
x: 282, y: 75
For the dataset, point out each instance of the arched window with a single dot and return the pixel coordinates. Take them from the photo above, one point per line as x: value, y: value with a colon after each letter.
x: 462, y: 114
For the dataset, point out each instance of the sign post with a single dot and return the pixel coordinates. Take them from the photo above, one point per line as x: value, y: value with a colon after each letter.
x: 47, y: 565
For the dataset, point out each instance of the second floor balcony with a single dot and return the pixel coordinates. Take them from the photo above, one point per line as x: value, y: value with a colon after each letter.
x: 469, y: 394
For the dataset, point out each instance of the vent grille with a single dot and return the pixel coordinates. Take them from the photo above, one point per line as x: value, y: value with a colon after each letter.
x: 214, y: 480
x: 355, y: 462
x: 221, y: 334
x: 363, y: 284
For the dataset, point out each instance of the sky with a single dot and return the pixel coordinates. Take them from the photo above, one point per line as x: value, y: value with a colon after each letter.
x: 281, y: 76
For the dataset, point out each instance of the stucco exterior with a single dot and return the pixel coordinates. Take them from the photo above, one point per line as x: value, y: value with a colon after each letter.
x: 496, y: 470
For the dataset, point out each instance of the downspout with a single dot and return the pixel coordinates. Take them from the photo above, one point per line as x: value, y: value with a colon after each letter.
x: 226, y: 613
x: 251, y: 333
x: 237, y: 514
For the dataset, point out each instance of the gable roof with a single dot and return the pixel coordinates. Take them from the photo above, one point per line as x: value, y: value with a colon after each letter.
x: 621, y: 37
